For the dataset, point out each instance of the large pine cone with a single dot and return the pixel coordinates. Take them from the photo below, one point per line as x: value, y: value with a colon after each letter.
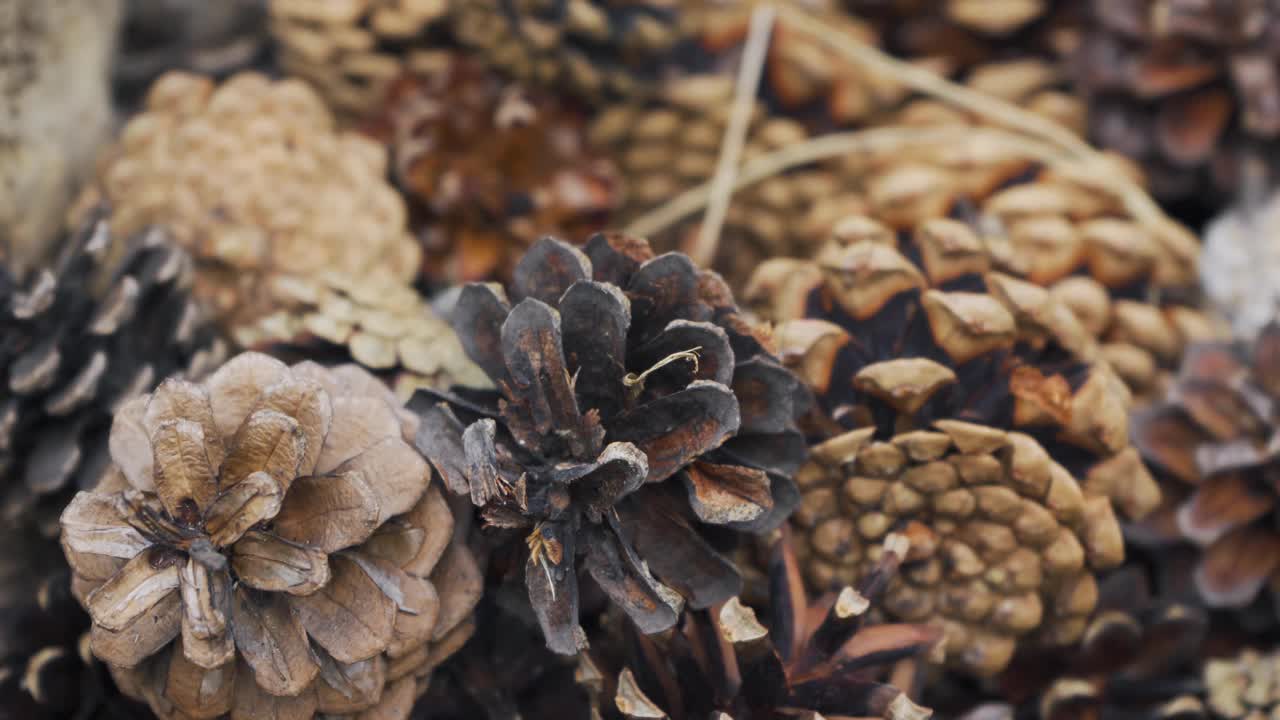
x: 267, y: 545
x: 959, y: 407
x: 252, y: 178
x: 634, y: 402
x: 489, y: 167
x: 816, y: 656
x: 111, y: 319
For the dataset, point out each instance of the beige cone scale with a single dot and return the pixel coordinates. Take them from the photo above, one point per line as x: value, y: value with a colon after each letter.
x: 254, y: 180
x: 267, y: 545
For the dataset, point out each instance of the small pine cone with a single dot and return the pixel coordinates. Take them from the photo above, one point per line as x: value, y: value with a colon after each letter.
x: 1240, y: 262
x: 352, y: 51
x: 962, y: 409
x: 634, y: 404
x: 1244, y: 687
x: 386, y: 329
x: 1211, y: 445
x: 267, y: 545
x: 489, y: 167
x: 595, y: 49
x: 817, y: 655
x: 251, y: 177
x: 111, y: 319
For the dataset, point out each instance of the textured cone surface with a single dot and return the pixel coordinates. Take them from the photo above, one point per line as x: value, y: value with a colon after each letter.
x: 960, y: 407
x: 634, y: 405
x: 489, y: 167
x: 267, y: 544
x: 292, y: 206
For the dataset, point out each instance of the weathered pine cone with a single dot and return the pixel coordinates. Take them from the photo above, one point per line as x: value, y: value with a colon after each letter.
x: 488, y: 167
x: 107, y: 322
x: 960, y: 407
x: 817, y: 656
x: 595, y: 49
x: 1212, y: 444
x: 386, y: 329
x: 251, y: 177
x: 352, y: 51
x: 1189, y: 89
x: 268, y: 546
x: 634, y: 402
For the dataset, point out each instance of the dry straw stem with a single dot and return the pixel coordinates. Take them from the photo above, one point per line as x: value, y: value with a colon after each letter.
x: 1038, y: 137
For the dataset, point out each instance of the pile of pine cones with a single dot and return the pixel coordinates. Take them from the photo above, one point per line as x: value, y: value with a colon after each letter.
x: 687, y: 359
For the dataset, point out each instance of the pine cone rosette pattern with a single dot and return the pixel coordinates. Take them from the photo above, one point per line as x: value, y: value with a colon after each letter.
x: 817, y: 656
x: 634, y: 402
x: 268, y: 546
x: 961, y: 409
x: 488, y: 167
x: 252, y: 178
x: 1212, y: 444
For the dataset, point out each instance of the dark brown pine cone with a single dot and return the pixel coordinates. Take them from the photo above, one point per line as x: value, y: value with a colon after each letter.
x: 960, y: 407
x: 617, y: 371
x: 817, y: 655
x: 595, y: 49
x: 107, y: 322
x: 488, y: 167
x: 1213, y: 444
x: 1191, y: 89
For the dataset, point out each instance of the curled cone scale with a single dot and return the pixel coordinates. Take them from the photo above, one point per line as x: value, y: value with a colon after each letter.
x: 960, y: 407
x: 267, y: 545
x: 634, y: 406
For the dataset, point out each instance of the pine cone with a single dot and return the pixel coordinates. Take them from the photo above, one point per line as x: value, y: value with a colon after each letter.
x: 1189, y: 89
x: 595, y: 49
x: 488, y: 166
x: 386, y: 329
x: 267, y: 545
x: 351, y: 52
x: 107, y: 322
x: 1211, y: 443
x: 618, y: 370
x: 817, y: 656
x: 252, y: 178
x: 962, y: 409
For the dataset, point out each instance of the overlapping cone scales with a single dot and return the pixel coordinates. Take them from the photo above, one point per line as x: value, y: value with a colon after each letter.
x: 267, y: 545
x: 294, y: 204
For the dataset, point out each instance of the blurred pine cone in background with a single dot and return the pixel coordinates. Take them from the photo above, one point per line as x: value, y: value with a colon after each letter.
x: 252, y: 178
x: 959, y: 406
x: 1191, y: 89
x: 267, y: 544
x: 489, y: 167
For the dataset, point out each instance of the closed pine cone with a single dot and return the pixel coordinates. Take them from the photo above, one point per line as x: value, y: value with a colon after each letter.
x: 961, y: 408
x: 252, y: 178
x: 267, y: 545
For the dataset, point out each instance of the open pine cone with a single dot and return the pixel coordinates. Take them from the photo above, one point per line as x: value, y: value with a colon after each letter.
x: 488, y: 167
x: 108, y: 321
x: 267, y: 545
x: 817, y: 656
x: 960, y: 407
x: 1213, y: 444
x: 252, y: 178
x: 634, y: 402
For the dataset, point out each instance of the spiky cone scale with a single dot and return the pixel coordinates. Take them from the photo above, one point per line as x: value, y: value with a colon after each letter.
x: 1190, y: 90
x: 1133, y: 286
x: 636, y: 405
x: 596, y: 50
x: 110, y: 319
x: 387, y: 329
x: 817, y: 655
x: 964, y: 408
x: 352, y: 51
x: 252, y: 178
x: 488, y: 167
x: 268, y: 545
x: 1212, y: 445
